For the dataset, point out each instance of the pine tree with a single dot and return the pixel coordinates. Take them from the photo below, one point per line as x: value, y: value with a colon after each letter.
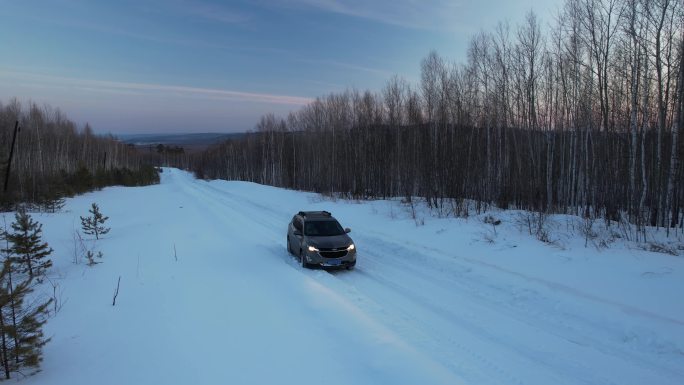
x: 94, y: 224
x: 51, y: 202
x: 27, y: 247
x: 52, y: 199
x: 54, y: 204
x: 21, y: 323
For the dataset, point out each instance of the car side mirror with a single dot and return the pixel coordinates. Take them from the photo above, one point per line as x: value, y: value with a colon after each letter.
x: 347, y: 230
x: 297, y: 233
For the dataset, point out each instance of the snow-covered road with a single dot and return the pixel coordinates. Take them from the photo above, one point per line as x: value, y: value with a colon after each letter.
x: 429, y: 304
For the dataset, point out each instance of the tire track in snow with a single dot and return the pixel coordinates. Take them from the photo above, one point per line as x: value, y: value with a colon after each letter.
x: 560, y: 312
x: 472, y: 316
x: 461, y: 273
x: 571, y: 291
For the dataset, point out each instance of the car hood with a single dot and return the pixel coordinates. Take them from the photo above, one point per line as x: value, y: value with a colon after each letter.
x: 331, y: 242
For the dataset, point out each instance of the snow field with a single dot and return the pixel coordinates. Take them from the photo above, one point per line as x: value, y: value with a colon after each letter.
x: 432, y: 304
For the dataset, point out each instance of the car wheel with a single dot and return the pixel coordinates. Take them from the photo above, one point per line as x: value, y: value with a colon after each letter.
x: 289, y: 249
x: 351, y: 265
x: 302, y: 260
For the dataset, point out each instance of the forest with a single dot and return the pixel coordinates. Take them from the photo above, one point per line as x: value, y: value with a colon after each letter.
x: 579, y: 115
x: 52, y: 158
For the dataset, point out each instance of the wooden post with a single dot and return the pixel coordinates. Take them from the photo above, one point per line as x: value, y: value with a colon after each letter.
x: 116, y: 293
x: 9, y: 162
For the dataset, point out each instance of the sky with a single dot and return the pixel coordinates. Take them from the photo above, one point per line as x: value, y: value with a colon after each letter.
x: 178, y: 66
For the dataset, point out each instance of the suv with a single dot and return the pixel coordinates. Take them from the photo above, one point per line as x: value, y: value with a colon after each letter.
x: 318, y: 240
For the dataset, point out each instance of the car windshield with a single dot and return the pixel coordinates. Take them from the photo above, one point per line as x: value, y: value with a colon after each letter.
x: 323, y: 228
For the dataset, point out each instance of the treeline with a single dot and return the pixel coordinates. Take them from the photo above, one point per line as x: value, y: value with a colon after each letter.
x: 170, y: 156
x: 53, y: 158
x: 585, y: 119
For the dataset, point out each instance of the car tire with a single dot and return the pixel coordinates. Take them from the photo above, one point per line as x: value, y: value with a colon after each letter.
x: 289, y: 250
x: 302, y: 260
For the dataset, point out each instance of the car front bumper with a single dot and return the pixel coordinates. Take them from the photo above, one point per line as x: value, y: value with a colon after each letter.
x: 346, y: 261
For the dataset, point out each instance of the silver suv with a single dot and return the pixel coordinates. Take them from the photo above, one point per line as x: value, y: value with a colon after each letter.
x: 318, y: 240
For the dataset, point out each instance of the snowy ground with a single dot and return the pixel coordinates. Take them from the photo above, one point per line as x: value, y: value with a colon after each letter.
x: 448, y: 302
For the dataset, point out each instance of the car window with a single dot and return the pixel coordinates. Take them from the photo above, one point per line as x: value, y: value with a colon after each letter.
x: 297, y: 223
x: 323, y: 228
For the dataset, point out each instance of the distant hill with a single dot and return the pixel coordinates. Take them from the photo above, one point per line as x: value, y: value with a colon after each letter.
x: 195, y: 139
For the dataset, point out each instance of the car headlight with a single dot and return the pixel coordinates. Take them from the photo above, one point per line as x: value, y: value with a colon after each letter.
x: 311, y: 248
x: 351, y: 247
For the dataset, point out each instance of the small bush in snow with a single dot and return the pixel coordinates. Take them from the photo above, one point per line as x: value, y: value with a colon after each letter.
x: 587, y: 229
x: 537, y: 224
x: 91, y: 255
x: 659, y: 247
x: 489, y: 236
x: 85, y: 249
x: 459, y: 208
x: 410, y: 203
x: 489, y: 219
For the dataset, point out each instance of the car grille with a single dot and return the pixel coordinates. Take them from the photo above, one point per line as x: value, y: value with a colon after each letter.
x: 333, y: 253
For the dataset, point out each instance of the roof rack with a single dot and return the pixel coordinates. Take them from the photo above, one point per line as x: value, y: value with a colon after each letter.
x: 315, y: 213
